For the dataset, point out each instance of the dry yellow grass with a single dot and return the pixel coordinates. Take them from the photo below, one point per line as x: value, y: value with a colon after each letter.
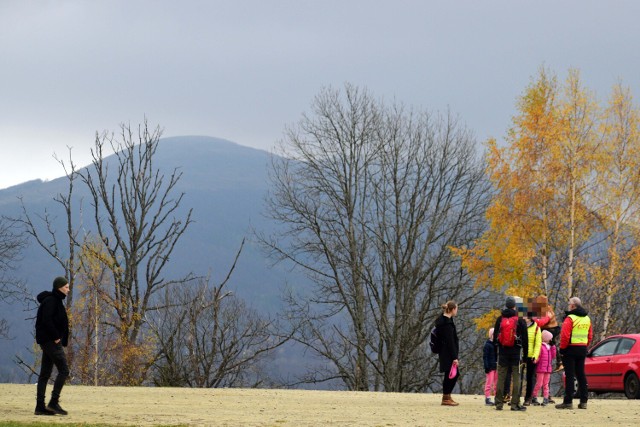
x: 248, y: 407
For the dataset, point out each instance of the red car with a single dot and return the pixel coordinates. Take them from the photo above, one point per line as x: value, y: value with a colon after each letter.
x: 613, y: 365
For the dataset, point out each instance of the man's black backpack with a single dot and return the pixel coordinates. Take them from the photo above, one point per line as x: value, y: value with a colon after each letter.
x: 434, y: 341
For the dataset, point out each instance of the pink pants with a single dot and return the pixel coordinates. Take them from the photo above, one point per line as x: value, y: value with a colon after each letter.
x: 491, y: 383
x: 542, y: 381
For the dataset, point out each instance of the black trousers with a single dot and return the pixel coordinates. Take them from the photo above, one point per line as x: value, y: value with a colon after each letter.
x: 52, y: 354
x: 574, y: 369
x: 531, y: 375
x: 449, y: 383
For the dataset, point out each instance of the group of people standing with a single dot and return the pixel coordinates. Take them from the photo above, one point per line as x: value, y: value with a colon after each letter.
x: 522, y: 338
x: 522, y: 344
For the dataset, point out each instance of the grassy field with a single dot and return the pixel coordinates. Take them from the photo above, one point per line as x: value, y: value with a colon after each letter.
x: 135, y: 406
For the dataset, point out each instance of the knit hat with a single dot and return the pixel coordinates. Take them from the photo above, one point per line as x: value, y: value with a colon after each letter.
x: 510, y: 302
x: 59, y: 282
x: 546, y: 336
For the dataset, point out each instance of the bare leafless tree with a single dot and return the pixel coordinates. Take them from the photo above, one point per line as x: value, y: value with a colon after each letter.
x: 372, y: 197
x: 138, y: 217
x: 43, y: 230
x: 12, y: 290
x: 207, y: 337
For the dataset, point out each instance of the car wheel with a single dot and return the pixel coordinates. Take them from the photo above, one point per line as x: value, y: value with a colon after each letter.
x: 632, y: 386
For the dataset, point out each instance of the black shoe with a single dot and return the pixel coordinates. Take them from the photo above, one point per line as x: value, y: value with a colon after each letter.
x: 564, y: 406
x: 582, y: 405
x: 41, y: 410
x: 55, y: 407
x: 518, y: 408
x: 498, y: 407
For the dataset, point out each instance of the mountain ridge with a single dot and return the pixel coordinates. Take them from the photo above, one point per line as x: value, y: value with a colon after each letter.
x: 224, y: 182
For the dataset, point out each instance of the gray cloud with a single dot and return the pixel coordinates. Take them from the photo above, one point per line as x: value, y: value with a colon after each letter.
x: 242, y: 70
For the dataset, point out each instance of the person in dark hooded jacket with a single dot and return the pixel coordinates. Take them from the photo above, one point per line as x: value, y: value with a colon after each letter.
x: 575, y: 338
x: 490, y: 362
x: 52, y: 334
x: 510, y: 357
x: 448, y: 356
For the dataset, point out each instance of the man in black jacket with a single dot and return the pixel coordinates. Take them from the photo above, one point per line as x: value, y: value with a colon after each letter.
x: 510, y: 356
x: 52, y: 334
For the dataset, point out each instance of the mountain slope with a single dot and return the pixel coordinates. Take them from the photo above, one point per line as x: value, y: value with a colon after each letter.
x: 225, y: 184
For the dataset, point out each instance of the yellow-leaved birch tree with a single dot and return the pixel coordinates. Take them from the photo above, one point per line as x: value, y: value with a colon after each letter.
x: 513, y: 254
x: 574, y: 156
x: 616, y: 198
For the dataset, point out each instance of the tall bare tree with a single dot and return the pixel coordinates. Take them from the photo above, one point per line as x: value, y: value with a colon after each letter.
x: 60, y: 246
x: 138, y: 217
x: 207, y: 337
x: 44, y: 231
x: 371, y: 198
x: 11, y: 290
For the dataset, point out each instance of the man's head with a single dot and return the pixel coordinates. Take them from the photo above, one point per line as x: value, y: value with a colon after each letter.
x: 59, y: 282
x: 574, y: 302
x: 510, y: 302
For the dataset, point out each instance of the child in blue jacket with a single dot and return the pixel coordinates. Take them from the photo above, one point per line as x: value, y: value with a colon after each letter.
x: 490, y: 365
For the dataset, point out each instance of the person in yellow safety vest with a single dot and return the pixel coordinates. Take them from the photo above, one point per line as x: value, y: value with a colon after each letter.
x: 534, y: 335
x: 575, y: 337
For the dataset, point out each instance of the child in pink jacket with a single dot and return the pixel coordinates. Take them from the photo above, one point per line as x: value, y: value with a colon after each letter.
x: 544, y: 368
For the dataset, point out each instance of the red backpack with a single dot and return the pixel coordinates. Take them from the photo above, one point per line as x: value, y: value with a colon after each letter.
x: 507, y: 334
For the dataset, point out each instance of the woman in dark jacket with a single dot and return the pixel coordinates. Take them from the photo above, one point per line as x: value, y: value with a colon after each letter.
x: 446, y: 332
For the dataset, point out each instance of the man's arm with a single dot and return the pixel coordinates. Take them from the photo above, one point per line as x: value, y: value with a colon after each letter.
x: 565, y: 334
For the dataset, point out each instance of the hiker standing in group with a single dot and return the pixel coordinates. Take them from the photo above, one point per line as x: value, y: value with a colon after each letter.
x: 52, y: 334
x: 546, y: 319
x: 575, y: 337
x: 448, y: 355
x: 510, y: 335
x: 490, y: 361
x: 544, y: 367
x: 534, y: 340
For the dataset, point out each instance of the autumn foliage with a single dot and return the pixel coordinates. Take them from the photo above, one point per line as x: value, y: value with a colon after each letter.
x: 563, y: 216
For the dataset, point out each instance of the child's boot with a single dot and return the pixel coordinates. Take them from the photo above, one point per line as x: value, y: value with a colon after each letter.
x: 488, y: 402
x: 545, y: 401
x: 535, y: 402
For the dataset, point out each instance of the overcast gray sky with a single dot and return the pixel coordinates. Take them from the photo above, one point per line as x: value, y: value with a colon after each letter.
x: 242, y: 70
